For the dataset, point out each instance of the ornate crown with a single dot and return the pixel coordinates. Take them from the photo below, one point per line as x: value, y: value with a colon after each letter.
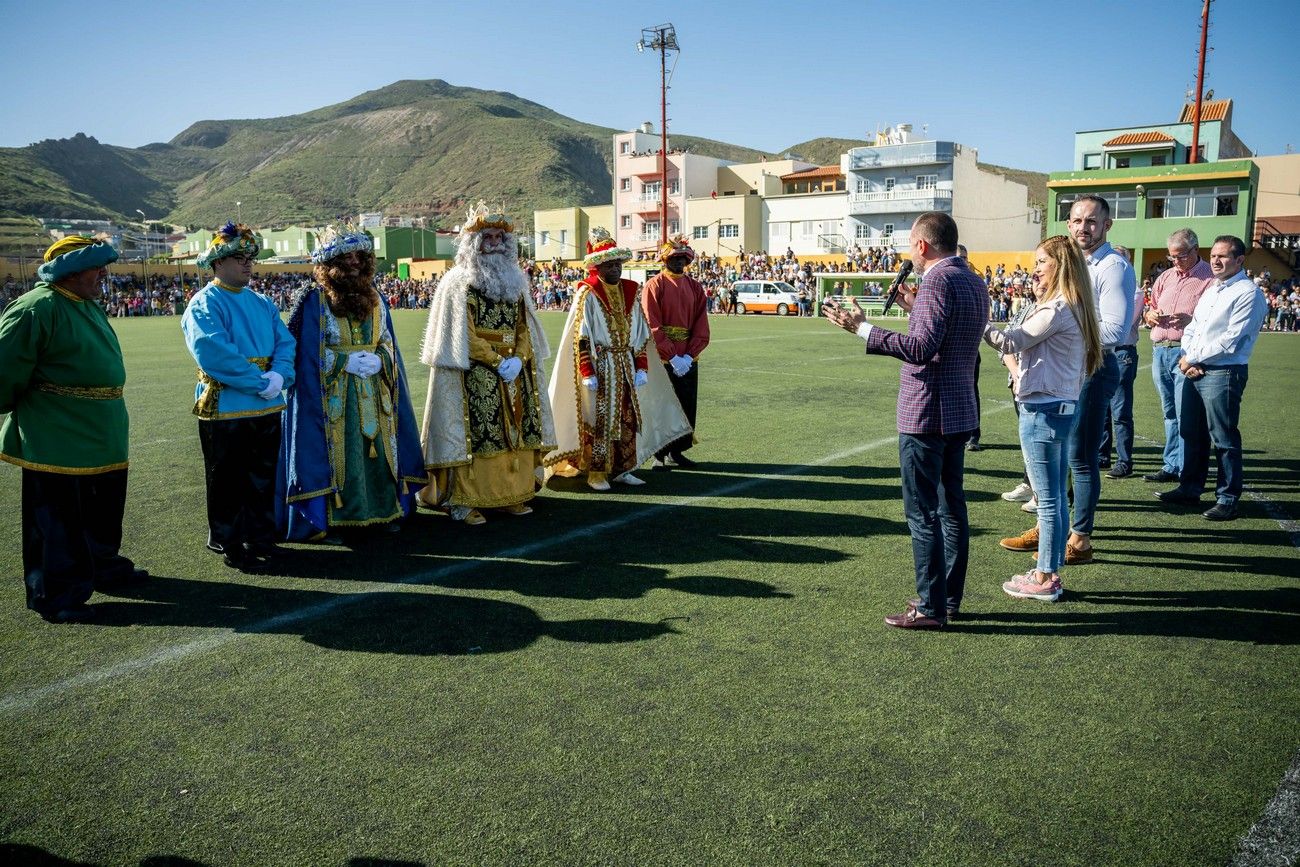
x: 337, y: 240
x: 479, y: 219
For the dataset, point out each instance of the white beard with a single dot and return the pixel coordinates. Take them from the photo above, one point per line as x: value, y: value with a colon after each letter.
x: 497, y: 275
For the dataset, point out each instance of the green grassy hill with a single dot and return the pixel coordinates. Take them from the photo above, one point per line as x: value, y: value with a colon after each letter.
x: 414, y: 147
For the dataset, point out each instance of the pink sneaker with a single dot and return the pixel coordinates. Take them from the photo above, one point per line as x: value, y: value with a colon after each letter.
x: 1031, y: 585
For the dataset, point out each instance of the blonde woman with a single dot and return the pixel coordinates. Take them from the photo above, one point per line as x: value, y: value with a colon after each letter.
x: 1059, y: 345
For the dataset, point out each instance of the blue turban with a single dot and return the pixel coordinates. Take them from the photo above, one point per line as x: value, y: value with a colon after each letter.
x: 74, y: 254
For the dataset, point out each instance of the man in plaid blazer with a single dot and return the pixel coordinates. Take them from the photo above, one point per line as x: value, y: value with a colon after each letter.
x: 936, y: 411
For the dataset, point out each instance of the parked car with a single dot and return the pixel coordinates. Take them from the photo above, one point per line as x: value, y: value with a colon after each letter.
x: 766, y: 296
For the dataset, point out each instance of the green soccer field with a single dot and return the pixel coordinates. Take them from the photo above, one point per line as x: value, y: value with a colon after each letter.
x: 691, y: 672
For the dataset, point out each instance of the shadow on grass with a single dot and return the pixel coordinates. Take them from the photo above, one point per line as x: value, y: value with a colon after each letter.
x: 414, y: 622
x: 34, y: 856
x: 1253, y: 616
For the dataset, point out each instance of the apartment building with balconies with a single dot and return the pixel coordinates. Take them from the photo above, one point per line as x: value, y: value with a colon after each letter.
x: 640, y: 172
x: 891, y: 183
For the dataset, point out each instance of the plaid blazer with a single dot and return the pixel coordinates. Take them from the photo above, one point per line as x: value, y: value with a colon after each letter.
x: 936, y: 393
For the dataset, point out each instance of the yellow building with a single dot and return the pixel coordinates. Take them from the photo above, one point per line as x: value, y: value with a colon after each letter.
x: 724, y: 225
x: 561, y: 233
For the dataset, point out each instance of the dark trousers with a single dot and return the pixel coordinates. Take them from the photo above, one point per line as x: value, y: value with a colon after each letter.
x: 72, y: 531
x: 1118, y: 434
x: 687, y: 389
x: 1208, y: 418
x: 934, y: 502
x: 239, y: 464
x: 975, y: 434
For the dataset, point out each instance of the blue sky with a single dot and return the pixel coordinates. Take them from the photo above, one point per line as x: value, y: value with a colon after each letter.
x: 1014, y: 79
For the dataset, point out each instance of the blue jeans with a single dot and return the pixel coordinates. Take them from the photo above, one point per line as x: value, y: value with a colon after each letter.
x: 1085, y: 441
x: 1044, y: 433
x: 1119, y: 414
x: 934, y: 502
x: 1169, y: 379
x: 1209, y: 415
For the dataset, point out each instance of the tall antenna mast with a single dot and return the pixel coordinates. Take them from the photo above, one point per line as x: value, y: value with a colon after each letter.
x: 662, y: 38
x: 1200, y: 85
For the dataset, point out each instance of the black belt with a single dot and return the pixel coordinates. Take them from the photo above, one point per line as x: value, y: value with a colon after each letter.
x: 1127, y: 346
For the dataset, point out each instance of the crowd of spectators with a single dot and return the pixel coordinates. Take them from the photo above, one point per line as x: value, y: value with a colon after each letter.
x: 128, y: 295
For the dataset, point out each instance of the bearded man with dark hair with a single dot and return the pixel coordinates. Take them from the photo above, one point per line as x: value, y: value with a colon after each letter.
x: 486, y: 424
x: 351, y: 457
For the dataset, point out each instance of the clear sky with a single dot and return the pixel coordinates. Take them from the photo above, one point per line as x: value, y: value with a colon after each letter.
x: 1014, y: 78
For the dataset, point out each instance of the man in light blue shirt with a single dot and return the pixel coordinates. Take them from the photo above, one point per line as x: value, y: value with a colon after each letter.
x: 1216, y: 349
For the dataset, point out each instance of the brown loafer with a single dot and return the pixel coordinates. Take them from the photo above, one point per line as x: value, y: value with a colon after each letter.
x: 1077, y: 556
x: 952, y: 611
x: 913, y: 619
x: 1026, y: 541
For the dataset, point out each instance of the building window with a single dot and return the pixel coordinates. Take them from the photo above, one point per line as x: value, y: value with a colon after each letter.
x: 546, y: 239
x: 564, y: 237
x: 778, y: 231
x: 887, y: 231
x: 700, y: 232
x: 728, y: 230
x: 302, y: 242
x: 927, y: 182
x: 861, y: 185
x: 650, y: 189
x: 861, y: 232
x: 674, y: 226
x: 624, y: 147
x: 378, y: 243
x: 807, y: 229
x: 1091, y: 161
x: 1159, y: 159
x: 889, y: 184
x: 1193, y: 202
x: 625, y: 184
x: 1122, y: 162
x: 674, y: 187
x: 625, y: 222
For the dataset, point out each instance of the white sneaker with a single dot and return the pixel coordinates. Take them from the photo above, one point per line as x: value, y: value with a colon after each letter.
x: 601, y: 485
x: 1021, y: 493
x: 629, y: 479
x: 1031, y: 506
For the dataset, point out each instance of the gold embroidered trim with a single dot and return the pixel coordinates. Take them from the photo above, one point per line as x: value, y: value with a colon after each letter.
x: 676, y: 333
x: 89, y: 392
x: 67, y: 471
x: 66, y: 294
x: 205, y: 406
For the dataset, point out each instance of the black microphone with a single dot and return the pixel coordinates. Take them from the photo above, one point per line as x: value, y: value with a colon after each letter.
x: 898, y: 284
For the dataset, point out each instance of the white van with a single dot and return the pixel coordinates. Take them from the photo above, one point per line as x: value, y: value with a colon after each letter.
x: 766, y: 296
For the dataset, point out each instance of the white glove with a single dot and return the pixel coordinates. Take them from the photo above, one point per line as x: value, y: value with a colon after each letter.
x: 274, y: 385
x: 363, y: 363
x: 590, y: 382
x: 639, y: 380
x: 509, y: 368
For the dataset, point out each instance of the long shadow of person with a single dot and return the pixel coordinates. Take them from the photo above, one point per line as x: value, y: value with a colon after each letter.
x: 416, y: 621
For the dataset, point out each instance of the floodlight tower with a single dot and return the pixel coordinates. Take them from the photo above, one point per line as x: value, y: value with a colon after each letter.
x: 661, y: 38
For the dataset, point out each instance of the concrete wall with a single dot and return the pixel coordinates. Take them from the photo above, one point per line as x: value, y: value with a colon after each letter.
x: 792, y: 211
x: 745, y: 212
x: 992, y: 213
x: 1279, y: 186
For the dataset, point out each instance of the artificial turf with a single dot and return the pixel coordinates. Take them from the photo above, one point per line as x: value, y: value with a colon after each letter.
x: 690, y: 672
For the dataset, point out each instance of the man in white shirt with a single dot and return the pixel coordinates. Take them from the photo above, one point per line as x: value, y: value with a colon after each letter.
x: 1216, y: 348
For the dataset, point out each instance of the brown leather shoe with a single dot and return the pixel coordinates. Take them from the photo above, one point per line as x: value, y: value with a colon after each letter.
x: 1076, y: 555
x: 952, y: 611
x: 1026, y: 541
x: 913, y: 619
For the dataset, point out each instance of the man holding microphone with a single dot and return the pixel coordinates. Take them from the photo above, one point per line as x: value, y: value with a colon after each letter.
x: 936, y: 411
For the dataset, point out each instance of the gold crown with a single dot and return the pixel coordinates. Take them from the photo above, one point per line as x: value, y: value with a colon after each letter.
x: 479, y: 219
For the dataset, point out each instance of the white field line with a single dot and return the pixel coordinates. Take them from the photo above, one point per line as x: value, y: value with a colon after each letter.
x: 1274, y: 840
x: 24, y: 699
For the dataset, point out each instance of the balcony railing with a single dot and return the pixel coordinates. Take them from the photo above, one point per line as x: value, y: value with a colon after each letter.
x: 918, y: 153
x: 900, y: 199
x: 898, y: 241
x: 648, y: 236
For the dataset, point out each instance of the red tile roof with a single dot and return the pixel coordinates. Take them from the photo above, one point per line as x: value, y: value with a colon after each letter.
x: 812, y: 174
x: 1137, y: 138
x: 1213, y: 110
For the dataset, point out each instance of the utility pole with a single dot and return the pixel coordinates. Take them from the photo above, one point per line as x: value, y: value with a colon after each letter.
x: 662, y: 38
x: 1200, y: 84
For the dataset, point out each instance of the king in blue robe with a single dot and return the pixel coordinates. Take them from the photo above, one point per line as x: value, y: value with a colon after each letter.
x: 351, y: 454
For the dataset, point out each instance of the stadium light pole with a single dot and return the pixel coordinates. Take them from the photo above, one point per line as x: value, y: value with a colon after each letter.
x: 662, y: 38
x: 144, y: 252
